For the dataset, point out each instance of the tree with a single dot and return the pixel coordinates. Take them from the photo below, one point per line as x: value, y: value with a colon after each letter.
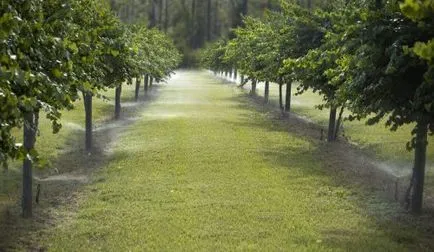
x: 36, y: 70
x: 388, y: 80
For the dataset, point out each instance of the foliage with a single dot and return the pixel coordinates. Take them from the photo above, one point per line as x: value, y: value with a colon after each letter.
x: 51, y: 50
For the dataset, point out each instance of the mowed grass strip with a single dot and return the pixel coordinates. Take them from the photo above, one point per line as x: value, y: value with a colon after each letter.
x: 202, y: 171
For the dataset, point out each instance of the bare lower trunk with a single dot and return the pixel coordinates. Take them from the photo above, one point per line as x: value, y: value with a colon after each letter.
x: 146, y: 83
x: 242, y: 79
x: 288, y: 97
x: 280, y: 97
x: 29, y: 138
x: 253, y: 91
x: 339, y: 122
x: 267, y: 91
x: 118, y: 108
x: 87, y: 97
x: 419, y: 167
x: 137, y: 91
x: 235, y: 75
x: 332, y: 124
x: 151, y: 81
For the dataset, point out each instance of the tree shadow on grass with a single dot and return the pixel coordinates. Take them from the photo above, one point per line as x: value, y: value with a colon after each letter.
x: 374, y: 192
x: 71, y: 171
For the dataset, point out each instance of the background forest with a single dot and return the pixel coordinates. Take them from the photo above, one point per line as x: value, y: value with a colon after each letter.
x: 192, y: 23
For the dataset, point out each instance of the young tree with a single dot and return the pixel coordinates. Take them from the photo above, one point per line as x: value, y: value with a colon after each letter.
x: 36, y: 72
x: 388, y: 80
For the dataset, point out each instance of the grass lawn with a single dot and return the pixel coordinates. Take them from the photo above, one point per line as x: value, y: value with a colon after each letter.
x: 203, y: 169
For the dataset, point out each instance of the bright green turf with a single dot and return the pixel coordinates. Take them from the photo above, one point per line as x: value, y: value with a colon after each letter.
x: 201, y: 170
x: 387, y: 145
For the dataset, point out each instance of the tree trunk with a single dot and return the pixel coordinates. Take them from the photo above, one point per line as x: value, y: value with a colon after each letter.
x: 29, y: 138
x: 332, y: 124
x: 244, y: 7
x: 36, y: 122
x: 118, y: 93
x: 166, y: 15
x: 216, y: 22
x: 419, y: 166
x: 242, y: 79
x: 339, y: 122
x: 137, y: 91
x: 267, y: 91
x: 309, y: 4
x: 151, y: 82
x: 288, y: 97
x: 280, y: 97
x: 146, y: 83
x: 152, y: 15
x: 253, y: 91
x: 236, y: 75
x: 208, y: 20
x: 160, y: 14
x: 230, y: 74
x: 88, y: 111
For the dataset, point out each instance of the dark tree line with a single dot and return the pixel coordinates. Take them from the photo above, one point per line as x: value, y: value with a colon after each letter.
x: 191, y: 23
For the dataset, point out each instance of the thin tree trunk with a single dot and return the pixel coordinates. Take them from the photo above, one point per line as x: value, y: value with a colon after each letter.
x: 253, y: 91
x: 339, y: 122
x: 166, y: 15
x: 29, y: 136
x: 208, y: 20
x: 160, y: 14
x: 87, y: 97
x: 267, y: 91
x: 36, y: 122
x: 419, y: 166
x: 288, y: 97
x: 236, y: 75
x: 281, y: 96
x: 332, y: 124
x: 216, y: 22
x: 146, y: 83
x: 137, y: 91
x: 242, y: 79
x: 118, y: 108
x: 230, y: 74
x: 152, y: 15
x: 151, y: 82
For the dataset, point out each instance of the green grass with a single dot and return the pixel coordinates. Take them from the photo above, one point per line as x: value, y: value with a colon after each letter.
x: 387, y: 146
x: 203, y: 169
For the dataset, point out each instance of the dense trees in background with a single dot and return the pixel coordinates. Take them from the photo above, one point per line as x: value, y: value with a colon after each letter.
x: 191, y: 23
x: 51, y: 53
x: 373, y: 58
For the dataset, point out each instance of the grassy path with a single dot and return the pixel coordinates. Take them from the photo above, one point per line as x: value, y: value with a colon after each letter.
x: 202, y: 170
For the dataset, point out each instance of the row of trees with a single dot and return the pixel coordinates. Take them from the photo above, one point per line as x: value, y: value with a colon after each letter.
x: 373, y: 57
x: 52, y: 53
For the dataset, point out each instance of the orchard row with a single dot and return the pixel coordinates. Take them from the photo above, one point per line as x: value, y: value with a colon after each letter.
x: 54, y: 52
x: 374, y: 58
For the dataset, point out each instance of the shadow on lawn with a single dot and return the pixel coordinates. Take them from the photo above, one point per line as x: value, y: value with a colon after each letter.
x: 374, y: 192
x: 71, y: 171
